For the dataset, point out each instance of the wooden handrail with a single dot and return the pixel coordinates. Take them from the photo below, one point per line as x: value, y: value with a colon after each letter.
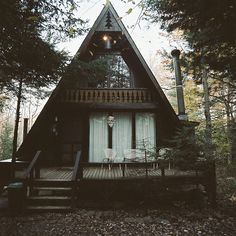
x: 76, y: 166
x: 32, y: 165
x: 74, y: 177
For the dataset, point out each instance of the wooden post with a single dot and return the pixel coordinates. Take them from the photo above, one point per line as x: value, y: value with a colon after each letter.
x: 162, y: 171
x: 25, y: 128
x: 80, y: 172
x: 123, y: 170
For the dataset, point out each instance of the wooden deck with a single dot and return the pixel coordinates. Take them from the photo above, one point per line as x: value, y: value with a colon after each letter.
x: 103, y: 173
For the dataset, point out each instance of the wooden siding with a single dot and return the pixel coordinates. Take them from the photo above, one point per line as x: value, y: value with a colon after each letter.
x: 107, y: 96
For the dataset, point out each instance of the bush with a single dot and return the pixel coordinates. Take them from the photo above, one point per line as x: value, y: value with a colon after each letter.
x: 6, y: 141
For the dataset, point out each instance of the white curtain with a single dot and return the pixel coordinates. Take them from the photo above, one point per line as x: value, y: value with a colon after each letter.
x: 122, y: 133
x: 145, y: 124
x: 98, y: 136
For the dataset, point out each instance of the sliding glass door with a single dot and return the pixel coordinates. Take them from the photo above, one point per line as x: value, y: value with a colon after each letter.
x: 145, y: 126
x: 122, y: 133
x: 98, y: 136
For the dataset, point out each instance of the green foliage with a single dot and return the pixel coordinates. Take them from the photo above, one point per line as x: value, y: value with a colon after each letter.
x: 6, y: 141
x: 83, y: 73
x: 103, y: 72
x: 184, y: 146
x: 206, y: 24
x: 28, y: 59
x: 26, y: 28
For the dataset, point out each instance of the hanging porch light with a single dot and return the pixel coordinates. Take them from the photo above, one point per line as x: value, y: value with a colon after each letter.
x: 107, y: 41
x: 111, y: 120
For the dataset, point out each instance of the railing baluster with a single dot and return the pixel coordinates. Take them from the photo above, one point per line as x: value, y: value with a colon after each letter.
x: 130, y: 99
x: 139, y: 96
x: 77, y: 95
x: 110, y: 96
x: 125, y: 96
x: 86, y: 95
x: 135, y: 96
x: 119, y: 94
x: 149, y: 96
x: 107, y: 95
x: 99, y: 96
x: 104, y: 95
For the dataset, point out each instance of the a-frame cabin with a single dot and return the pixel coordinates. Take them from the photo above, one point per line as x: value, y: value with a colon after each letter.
x: 108, y: 106
x: 107, y: 79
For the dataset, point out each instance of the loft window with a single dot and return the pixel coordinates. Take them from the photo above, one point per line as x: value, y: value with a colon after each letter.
x: 118, y: 73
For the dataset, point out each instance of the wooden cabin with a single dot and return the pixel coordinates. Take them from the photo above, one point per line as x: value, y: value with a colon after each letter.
x: 107, y: 79
x: 106, y: 108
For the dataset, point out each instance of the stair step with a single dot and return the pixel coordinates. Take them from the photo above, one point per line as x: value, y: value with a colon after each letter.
x: 48, y: 191
x: 49, y: 200
x: 48, y: 208
x: 51, y: 183
x: 52, y: 188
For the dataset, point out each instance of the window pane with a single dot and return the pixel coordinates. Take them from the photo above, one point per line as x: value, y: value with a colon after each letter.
x: 118, y: 73
x: 98, y: 136
x: 122, y: 133
x: 145, y: 130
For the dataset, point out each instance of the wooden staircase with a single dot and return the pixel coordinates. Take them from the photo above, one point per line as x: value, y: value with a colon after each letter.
x: 48, y: 194
x: 54, y: 195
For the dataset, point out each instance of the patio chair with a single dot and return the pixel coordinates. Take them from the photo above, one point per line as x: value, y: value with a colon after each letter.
x: 134, y: 155
x: 110, y: 155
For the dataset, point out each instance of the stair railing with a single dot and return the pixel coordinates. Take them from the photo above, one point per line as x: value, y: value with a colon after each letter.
x: 75, y: 176
x: 33, y: 170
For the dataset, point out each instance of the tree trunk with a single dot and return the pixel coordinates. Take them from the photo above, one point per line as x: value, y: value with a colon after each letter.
x: 208, y: 130
x: 17, y: 118
x: 233, y: 146
x: 231, y: 124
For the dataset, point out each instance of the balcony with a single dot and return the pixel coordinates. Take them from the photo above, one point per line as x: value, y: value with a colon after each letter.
x: 141, y: 95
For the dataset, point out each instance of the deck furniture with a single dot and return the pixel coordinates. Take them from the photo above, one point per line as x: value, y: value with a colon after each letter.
x: 110, y: 155
x: 134, y: 155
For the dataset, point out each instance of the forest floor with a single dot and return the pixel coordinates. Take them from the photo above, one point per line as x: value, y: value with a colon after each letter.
x: 175, y: 219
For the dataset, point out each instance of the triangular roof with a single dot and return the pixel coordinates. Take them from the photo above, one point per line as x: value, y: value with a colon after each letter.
x: 119, y: 26
x: 108, y: 16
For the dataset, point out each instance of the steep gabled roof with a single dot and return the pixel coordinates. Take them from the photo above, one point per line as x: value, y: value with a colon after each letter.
x: 117, y: 25
x: 107, y: 21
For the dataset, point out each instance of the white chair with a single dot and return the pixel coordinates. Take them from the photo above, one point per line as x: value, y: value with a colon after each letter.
x: 110, y: 155
x: 134, y: 155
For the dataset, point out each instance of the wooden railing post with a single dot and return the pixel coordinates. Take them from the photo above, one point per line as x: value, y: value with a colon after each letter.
x: 32, y: 171
x: 163, y: 171
x: 123, y: 169
x: 75, y: 174
x: 29, y: 171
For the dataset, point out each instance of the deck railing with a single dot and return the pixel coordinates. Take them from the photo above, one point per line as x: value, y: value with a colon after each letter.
x: 107, y: 96
x: 196, y: 173
x: 33, y: 170
x: 75, y: 174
